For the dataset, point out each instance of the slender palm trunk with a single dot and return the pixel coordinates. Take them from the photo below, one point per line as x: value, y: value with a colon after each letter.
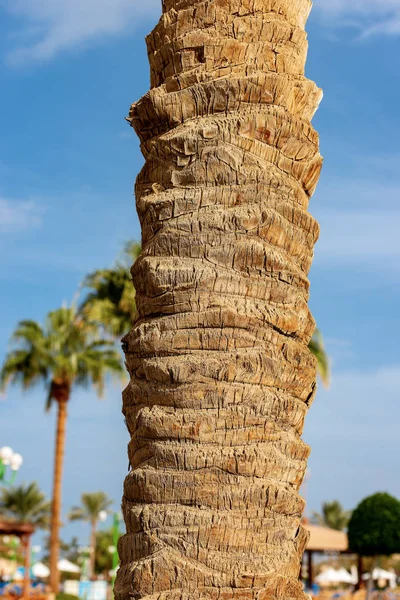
x: 221, y: 375
x: 93, y: 548
x: 27, y: 567
x: 56, y: 502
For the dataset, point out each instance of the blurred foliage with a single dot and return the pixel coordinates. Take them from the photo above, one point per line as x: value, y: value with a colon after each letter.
x: 103, y: 561
x: 62, y: 596
x: 25, y: 503
x: 374, y: 527
x: 317, y: 348
x: 110, y: 299
x: 333, y: 515
x: 92, y: 503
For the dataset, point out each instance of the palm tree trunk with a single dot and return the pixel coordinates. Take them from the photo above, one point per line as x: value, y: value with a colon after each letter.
x: 56, y: 502
x: 26, y: 541
x: 221, y: 376
x: 92, y: 549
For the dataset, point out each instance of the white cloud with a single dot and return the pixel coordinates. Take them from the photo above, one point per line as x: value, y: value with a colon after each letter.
x: 370, y: 16
x: 18, y: 216
x: 53, y: 26
x: 49, y: 27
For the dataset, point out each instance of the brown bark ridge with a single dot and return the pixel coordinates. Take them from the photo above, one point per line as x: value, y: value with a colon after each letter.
x: 221, y: 376
x: 61, y: 396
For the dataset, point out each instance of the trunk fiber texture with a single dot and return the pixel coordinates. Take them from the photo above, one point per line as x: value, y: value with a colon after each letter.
x: 221, y: 376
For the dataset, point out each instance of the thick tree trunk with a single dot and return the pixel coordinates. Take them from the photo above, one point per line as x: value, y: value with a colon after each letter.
x: 221, y: 376
x: 56, y: 501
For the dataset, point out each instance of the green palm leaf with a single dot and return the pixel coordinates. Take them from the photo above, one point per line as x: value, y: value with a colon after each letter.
x: 67, y: 351
x: 25, y: 504
x: 110, y: 300
x: 317, y: 348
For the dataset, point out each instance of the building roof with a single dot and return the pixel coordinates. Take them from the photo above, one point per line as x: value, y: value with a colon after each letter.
x: 18, y: 529
x: 323, y: 539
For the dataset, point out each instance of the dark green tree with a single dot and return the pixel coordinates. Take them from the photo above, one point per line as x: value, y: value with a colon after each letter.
x: 374, y: 527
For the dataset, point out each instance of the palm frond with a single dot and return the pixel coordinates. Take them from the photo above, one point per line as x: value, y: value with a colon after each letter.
x: 68, y: 350
x: 317, y: 348
x: 92, y: 503
x: 25, y: 504
x: 110, y: 300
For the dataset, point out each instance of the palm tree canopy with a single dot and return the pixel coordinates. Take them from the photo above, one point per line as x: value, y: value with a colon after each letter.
x: 111, y: 297
x: 92, y: 503
x: 317, y: 348
x: 64, y: 352
x: 333, y: 515
x: 25, y: 504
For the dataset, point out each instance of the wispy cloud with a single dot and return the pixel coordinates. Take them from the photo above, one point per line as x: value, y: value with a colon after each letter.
x: 50, y: 27
x: 369, y: 16
x: 18, y: 216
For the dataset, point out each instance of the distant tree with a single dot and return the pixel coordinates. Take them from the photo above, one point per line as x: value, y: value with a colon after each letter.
x: 103, y: 556
x: 69, y: 550
x: 110, y: 300
x: 93, y: 504
x: 63, y: 354
x: 25, y: 503
x: 333, y: 515
x: 374, y: 527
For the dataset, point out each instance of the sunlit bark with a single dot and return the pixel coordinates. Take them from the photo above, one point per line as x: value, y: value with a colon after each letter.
x: 221, y: 376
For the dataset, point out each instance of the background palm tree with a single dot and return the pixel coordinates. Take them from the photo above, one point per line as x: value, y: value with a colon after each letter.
x: 333, y: 515
x: 93, y: 504
x: 104, y: 558
x: 25, y: 503
x: 110, y: 300
x: 65, y: 353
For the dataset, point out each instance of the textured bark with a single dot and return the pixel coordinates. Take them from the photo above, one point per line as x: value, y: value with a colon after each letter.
x: 221, y: 376
x: 62, y: 401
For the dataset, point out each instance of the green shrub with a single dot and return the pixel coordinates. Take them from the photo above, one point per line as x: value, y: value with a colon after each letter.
x: 374, y: 528
x: 62, y: 596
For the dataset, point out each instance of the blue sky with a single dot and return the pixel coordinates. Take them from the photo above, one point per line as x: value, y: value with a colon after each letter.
x: 68, y: 73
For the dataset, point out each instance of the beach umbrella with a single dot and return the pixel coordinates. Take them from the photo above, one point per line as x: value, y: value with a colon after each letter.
x: 378, y: 573
x: 66, y: 566
x: 345, y: 576
x: 332, y: 575
x: 40, y: 570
